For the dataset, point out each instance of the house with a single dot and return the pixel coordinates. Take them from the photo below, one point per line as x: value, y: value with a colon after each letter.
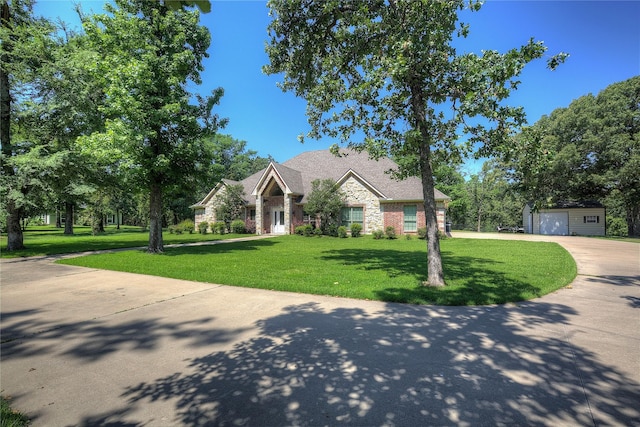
x: 275, y: 196
x: 586, y: 218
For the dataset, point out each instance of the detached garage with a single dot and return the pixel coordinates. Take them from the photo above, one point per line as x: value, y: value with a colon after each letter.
x: 566, y: 219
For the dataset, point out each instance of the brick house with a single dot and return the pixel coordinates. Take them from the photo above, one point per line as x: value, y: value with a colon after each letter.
x: 275, y: 196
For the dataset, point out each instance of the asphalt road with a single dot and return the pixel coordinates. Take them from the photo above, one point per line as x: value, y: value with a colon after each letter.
x: 86, y: 347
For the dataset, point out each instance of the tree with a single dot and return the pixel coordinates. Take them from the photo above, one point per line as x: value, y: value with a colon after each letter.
x: 22, y: 39
x: 589, y: 150
x: 388, y: 72
x: 232, y: 159
x: 231, y: 205
x: 493, y: 199
x: 325, y: 202
x: 151, y: 52
x: 450, y: 181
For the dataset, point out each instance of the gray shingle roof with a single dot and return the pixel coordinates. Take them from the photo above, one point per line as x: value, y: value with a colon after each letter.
x: 300, y: 171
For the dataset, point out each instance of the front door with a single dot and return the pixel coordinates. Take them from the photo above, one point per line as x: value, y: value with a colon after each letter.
x: 277, y: 221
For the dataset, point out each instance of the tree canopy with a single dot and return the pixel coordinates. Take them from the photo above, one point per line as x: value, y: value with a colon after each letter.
x: 147, y: 54
x: 589, y: 150
x: 384, y: 76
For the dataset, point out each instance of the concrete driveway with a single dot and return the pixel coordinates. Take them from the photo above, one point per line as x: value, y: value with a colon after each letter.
x: 85, y: 347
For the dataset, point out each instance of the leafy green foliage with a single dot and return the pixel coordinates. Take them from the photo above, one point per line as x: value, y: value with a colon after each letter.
x: 356, y: 229
x: 388, y: 74
x: 147, y: 56
x: 203, y: 227
x: 238, y: 227
x: 325, y: 201
x: 231, y: 203
x: 219, y: 227
x: 342, y: 232
x: 304, y: 230
x: 587, y: 151
x: 390, y: 232
x: 377, y: 234
x: 422, y: 233
x: 186, y: 226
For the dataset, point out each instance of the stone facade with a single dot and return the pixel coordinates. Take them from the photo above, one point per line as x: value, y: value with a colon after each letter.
x: 357, y: 195
x: 208, y: 214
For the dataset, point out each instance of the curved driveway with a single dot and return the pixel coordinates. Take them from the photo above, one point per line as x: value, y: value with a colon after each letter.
x: 89, y: 347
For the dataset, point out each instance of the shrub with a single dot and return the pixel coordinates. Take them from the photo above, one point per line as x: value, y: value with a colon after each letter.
x: 390, y: 232
x: 422, y: 233
x: 237, y: 226
x: 378, y: 234
x: 442, y: 236
x: 318, y: 231
x: 304, y: 230
x: 342, y: 232
x: 250, y: 226
x: 408, y: 236
x: 175, y: 229
x: 187, y: 226
x: 617, y: 227
x: 203, y: 227
x: 356, y: 229
x: 219, y: 227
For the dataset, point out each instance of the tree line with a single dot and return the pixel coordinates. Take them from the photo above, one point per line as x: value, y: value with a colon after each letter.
x: 587, y: 151
x: 103, y: 119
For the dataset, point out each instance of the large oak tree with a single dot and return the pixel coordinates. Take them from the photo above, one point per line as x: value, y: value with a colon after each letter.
x: 384, y: 75
x: 151, y: 51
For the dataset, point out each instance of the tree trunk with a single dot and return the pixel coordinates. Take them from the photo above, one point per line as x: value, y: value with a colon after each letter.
x: 633, y: 221
x: 15, y: 238
x: 435, y: 272
x: 58, y: 217
x: 68, y: 218
x: 155, y: 219
x: 479, y: 222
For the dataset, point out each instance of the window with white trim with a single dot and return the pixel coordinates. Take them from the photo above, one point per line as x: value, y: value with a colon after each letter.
x: 592, y: 219
x: 410, y: 218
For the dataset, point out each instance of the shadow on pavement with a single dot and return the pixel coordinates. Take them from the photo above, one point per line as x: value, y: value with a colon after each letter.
x: 404, y: 366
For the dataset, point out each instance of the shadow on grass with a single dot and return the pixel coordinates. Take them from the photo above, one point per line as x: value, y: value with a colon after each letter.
x: 475, y: 281
x: 219, y: 246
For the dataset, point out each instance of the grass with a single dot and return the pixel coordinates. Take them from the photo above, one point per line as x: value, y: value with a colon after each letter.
x: 48, y: 240
x: 9, y: 417
x: 478, y: 272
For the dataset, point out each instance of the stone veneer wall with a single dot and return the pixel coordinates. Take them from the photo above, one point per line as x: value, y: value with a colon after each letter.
x: 358, y: 195
x: 209, y: 212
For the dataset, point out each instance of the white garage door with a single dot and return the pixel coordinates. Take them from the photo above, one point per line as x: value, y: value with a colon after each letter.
x: 556, y: 223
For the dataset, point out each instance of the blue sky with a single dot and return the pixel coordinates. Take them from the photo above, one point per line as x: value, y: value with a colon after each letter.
x: 602, y: 38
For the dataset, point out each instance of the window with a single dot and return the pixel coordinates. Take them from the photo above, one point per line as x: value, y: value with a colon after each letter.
x: 351, y: 215
x: 592, y: 219
x: 252, y: 214
x: 410, y: 218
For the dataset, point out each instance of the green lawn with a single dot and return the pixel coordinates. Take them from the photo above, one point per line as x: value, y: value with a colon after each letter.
x: 477, y: 271
x: 47, y: 240
x: 9, y: 417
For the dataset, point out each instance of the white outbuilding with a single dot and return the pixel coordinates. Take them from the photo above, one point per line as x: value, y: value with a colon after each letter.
x: 584, y: 218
